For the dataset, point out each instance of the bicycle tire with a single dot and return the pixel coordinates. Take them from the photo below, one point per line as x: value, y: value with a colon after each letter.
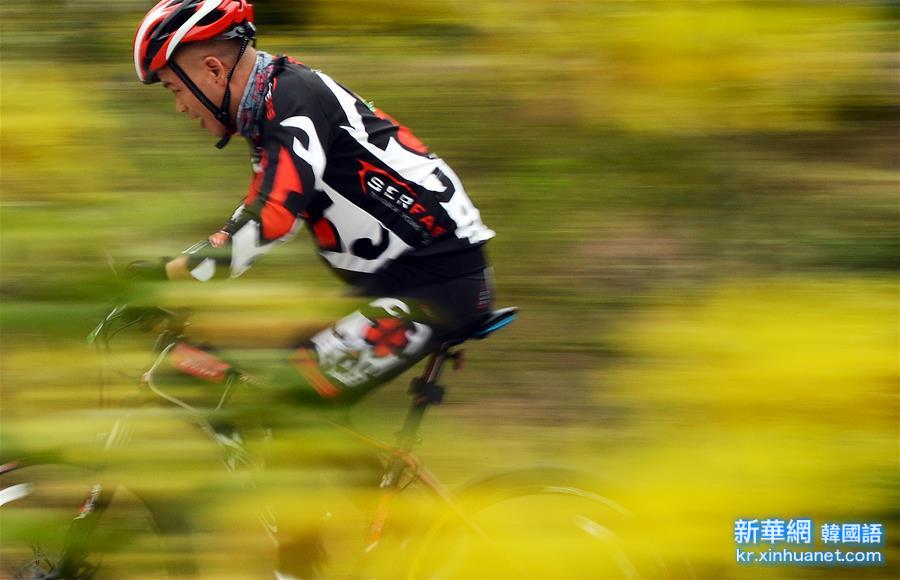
x: 39, y: 504
x: 538, y: 523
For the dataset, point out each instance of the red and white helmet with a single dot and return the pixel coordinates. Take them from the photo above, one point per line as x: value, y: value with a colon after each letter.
x: 173, y: 23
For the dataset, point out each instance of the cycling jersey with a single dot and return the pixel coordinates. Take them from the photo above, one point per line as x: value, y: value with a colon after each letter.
x: 384, y: 211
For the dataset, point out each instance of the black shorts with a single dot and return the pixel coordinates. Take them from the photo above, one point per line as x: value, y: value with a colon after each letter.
x: 390, y: 334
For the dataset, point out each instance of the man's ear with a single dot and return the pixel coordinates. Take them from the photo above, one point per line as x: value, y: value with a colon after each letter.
x: 215, y: 68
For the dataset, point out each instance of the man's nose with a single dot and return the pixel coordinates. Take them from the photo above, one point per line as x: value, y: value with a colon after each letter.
x: 180, y: 108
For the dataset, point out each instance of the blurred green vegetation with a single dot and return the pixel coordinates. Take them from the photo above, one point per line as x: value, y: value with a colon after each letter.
x: 696, y: 207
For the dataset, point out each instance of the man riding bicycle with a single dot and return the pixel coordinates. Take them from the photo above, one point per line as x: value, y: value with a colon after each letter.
x: 388, y: 216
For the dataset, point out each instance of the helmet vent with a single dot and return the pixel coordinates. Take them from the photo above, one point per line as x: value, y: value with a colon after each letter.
x: 171, y: 24
x: 211, y: 18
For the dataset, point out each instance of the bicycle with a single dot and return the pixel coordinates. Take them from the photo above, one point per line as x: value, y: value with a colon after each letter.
x: 489, y: 529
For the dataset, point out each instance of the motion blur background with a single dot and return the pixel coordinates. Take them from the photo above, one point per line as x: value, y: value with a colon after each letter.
x: 696, y: 207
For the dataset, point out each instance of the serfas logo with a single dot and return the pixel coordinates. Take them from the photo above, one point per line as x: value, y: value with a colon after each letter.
x: 378, y: 183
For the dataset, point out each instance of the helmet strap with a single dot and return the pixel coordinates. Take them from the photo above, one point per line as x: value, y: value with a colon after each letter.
x: 221, y: 113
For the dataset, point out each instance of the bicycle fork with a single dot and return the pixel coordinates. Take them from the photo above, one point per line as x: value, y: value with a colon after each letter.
x: 80, y: 535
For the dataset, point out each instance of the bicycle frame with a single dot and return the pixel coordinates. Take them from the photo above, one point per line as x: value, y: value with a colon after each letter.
x: 597, y: 517
x: 425, y: 390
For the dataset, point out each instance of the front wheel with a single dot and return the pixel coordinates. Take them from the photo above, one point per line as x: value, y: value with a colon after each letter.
x: 40, y: 507
x: 542, y: 523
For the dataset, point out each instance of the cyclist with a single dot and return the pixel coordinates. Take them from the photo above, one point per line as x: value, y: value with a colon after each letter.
x: 388, y: 216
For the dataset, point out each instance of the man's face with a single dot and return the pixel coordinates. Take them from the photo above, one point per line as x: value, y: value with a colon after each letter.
x: 207, y: 76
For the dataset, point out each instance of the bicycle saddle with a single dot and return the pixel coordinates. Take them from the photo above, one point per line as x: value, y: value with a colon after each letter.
x: 489, y: 324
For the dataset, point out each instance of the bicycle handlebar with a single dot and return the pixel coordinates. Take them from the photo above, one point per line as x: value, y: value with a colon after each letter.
x: 125, y: 316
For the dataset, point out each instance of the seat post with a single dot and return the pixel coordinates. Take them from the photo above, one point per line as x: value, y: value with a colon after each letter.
x: 425, y: 389
x: 425, y: 392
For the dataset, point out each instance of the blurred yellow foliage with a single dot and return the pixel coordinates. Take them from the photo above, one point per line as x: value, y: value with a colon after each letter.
x: 48, y: 115
x: 686, y: 66
x: 765, y: 398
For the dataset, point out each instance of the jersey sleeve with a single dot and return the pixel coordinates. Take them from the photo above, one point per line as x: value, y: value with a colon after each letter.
x: 296, y: 134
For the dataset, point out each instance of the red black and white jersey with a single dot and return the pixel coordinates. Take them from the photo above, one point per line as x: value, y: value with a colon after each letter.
x: 384, y: 211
